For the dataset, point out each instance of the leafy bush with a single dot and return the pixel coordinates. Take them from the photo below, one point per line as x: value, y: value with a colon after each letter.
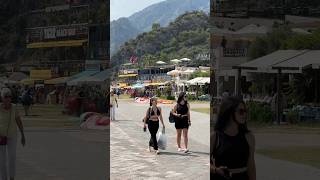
x: 259, y: 113
x: 158, y: 93
x: 293, y: 117
x: 170, y: 97
x: 191, y: 97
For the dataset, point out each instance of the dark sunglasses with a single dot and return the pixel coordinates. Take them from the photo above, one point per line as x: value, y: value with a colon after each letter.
x: 242, y: 111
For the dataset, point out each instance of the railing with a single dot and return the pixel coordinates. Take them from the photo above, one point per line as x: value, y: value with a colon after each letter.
x: 234, y: 52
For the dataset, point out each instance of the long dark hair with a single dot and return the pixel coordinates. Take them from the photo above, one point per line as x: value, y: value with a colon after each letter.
x: 180, y: 98
x: 153, y: 99
x: 227, y: 112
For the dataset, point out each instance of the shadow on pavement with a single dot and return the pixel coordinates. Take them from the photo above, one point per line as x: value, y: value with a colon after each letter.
x: 203, y: 153
x: 178, y: 154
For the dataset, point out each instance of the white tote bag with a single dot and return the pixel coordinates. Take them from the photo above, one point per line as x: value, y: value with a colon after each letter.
x: 162, y: 140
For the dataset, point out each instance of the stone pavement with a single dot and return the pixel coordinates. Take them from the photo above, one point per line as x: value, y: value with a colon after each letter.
x: 63, y: 155
x: 131, y: 160
x: 57, y: 149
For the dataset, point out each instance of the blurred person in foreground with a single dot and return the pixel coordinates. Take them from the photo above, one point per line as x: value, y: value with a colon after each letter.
x: 9, y: 121
x: 232, y: 144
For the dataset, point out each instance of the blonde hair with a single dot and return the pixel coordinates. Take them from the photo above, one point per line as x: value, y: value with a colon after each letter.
x: 5, y: 92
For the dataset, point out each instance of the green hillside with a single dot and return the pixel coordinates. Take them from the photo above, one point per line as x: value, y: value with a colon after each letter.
x: 187, y: 36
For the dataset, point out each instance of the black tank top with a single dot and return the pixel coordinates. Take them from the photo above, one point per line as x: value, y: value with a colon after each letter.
x: 152, y: 111
x: 231, y: 151
x: 183, y: 110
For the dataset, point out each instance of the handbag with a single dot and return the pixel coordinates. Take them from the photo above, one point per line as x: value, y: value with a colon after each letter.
x: 4, y: 139
x: 172, y: 118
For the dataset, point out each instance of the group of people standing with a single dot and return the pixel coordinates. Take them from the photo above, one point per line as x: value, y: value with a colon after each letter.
x: 181, y: 113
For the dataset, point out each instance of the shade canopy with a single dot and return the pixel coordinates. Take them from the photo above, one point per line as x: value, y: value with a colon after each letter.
x: 175, y: 61
x: 264, y: 64
x: 161, y: 62
x: 98, y: 78
x: 77, y: 78
x: 185, y: 59
x: 199, y: 81
x: 173, y: 72
x: 56, y: 81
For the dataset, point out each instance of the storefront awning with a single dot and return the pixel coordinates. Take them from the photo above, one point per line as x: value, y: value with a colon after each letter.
x: 29, y: 81
x: 264, y: 64
x: 75, y: 79
x: 128, y: 75
x: 60, y: 80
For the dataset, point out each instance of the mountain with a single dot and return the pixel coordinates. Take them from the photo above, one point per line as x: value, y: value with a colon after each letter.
x: 124, y: 27
x: 162, y: 13
x: 187, y: 36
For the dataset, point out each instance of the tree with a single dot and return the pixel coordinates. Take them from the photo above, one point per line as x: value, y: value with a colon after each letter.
x: 2, y: 69
x: 155, y: 26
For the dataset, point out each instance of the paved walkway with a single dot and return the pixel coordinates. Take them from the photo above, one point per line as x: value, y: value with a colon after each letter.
x: 57, y: 150
x: 130, y: 160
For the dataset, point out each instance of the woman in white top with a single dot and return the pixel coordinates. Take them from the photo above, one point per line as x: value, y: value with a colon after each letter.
x: 9, y: 121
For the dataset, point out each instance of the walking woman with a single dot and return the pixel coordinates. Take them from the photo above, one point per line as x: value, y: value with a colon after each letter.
x: 113, y: 103
x: 232, y: 144
x: 154, y: 113
x: 9, y: 120
x: 182, y: 121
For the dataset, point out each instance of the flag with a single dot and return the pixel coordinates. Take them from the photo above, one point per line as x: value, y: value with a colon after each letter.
x: 133, y: 59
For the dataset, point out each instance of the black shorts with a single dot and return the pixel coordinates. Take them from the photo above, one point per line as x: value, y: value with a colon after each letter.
x: 181, y: 123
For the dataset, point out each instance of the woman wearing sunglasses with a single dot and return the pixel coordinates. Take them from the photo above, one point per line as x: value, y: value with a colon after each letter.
x: 232, y: 144
x: 9, y: 121
x: 181, y: 112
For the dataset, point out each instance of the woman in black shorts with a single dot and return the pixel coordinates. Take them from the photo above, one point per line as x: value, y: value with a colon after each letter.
x: 232, y: 144
x: 182, y: 121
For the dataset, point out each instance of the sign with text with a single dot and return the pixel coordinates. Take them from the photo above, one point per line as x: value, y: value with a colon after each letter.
x: 65, y: 32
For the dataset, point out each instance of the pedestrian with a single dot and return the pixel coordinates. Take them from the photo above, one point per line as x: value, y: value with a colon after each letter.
x: 113, y: 103
x: 9, y: 121
x: 154, y: 113
x: 232, y: 144
x: 26, y: 100
x: 118, y: 93
x: 182, y: 121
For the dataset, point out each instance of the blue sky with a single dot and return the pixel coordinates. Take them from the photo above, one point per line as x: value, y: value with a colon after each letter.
x: 125, y: 8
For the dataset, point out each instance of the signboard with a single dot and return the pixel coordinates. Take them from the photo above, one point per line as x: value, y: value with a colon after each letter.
x: 53, y: 33
x: 40, y: 74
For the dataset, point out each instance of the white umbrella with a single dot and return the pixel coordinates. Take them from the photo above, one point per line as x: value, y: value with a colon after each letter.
x: 188, y: 71
x: 173, y: 72
x: 161, y: 62
x: 185, y: 59
x: 175, y: 61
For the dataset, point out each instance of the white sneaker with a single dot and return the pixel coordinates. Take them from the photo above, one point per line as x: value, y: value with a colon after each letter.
x: 157, y: 152
x: 149, y: 149
x: 186, y: 150
x: 179, y: 149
